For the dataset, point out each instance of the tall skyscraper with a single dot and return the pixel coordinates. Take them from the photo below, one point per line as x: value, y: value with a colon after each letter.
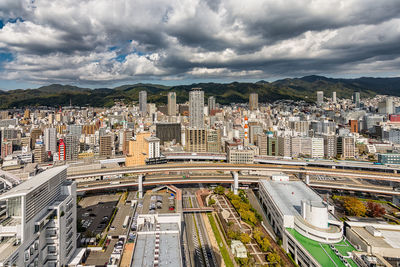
x: 171, y: 104
x: 320, y: 97
x: 143, y: 102
x: 196, y: 108
x: 211, y: 104
x: 39, y: 225
x: 334, y: 97
x: 253, y: 101
x: 356, y: 99
x: 50, y: 139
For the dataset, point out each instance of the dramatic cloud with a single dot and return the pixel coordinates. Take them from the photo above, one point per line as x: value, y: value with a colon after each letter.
x: 102, y: 41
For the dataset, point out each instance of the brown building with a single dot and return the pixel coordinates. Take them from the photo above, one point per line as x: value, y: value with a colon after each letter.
x: 35, y: 134
x: 137, y: 151
x: 105, y: 146
x: 353, y: 126
x: 196, y: 140
x: 39, y: 153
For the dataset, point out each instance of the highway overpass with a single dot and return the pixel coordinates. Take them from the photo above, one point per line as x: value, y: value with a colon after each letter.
x: 219, y: 166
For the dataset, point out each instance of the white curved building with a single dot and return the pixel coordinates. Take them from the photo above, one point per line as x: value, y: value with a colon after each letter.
x: 293, y: 206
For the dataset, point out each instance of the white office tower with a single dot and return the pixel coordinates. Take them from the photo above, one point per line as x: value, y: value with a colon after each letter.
x: 50, y: 139
x: 171, y: 104
x: 38, y: 224
x: 143, y: 103
x: 334, y: 97
x: 320, y: 97
x: 196, y: 108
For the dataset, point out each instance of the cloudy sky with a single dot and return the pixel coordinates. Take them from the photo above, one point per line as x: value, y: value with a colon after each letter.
x: 100, y: 43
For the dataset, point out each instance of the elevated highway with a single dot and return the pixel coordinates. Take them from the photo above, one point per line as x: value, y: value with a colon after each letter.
x: 187, y: 167
x: 218, y: 179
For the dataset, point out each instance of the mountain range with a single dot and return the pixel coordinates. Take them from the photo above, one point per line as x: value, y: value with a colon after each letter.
x: 304, y: 88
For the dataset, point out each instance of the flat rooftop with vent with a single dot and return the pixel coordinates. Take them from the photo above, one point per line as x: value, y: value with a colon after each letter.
x: 158, y: 241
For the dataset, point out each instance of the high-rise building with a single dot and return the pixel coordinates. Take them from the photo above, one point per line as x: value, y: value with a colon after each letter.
x: 153, y: 147
x: 254, y: 130
x: 171, y: 104
x: 285, y: 146
x: 143, y: 103
x: 75, y: 129
x: 138, y: 150
x: 39, y: 224
x: 105, y: 150
x: 71, y: 147
x: 196, y: 108
x: 353, y: 126
x: 50, y: 139
x: 386, y: 106
x: 334, y: 97
x: 214, y: 140
x: 330, y: 146
x: 262, y: 144
x: 35, y: 134
x: 253, y: 101
x: 317, y: 147
x: 211, y: 104
x: 320, y: 97
x: 346, y: 147
x: 61, y: 150
x: 127, y: 135
x: 168, y: 132
x: 356, y: 99
x: 39, y: 152
x: 6, y: 148
x: 196, y: 140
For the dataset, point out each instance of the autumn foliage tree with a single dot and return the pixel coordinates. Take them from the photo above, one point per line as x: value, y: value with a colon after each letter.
x: 354, y: 206
x: 375, y: 209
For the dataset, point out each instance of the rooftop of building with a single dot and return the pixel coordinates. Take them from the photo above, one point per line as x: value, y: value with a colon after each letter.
x: 388, y: 236
x: 323, y: 253
x: 34, y: 182
x: 169, y: 246
x: 288, y: 195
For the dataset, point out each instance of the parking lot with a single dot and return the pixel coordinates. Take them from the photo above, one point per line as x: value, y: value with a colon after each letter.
x: 95, y: 212
x: 164, y: 208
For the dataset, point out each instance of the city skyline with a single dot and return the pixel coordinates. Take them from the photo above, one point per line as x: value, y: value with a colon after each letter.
x: 99, y: 43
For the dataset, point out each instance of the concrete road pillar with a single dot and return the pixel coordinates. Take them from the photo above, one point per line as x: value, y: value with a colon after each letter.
x: 235, y: 182
x: 140, y: 185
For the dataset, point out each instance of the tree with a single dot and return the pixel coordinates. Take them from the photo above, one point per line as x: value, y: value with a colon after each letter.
x: 273, y: 257
x: 233, y: 234
x: 219, y: 190
x: 211, y: 201
x: 375, y: 209
x: 354, y: 206
x: 245, y: 238
x: 265, y: 244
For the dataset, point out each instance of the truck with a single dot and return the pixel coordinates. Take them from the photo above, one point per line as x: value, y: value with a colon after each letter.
x: 126, y: 222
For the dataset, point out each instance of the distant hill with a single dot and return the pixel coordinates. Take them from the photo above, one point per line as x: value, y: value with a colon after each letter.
x: 236, y: 92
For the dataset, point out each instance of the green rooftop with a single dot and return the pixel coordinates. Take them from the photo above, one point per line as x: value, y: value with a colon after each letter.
x: 322, y: 252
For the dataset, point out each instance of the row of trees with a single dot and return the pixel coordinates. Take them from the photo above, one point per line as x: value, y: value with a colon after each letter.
x: 355, y: 207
